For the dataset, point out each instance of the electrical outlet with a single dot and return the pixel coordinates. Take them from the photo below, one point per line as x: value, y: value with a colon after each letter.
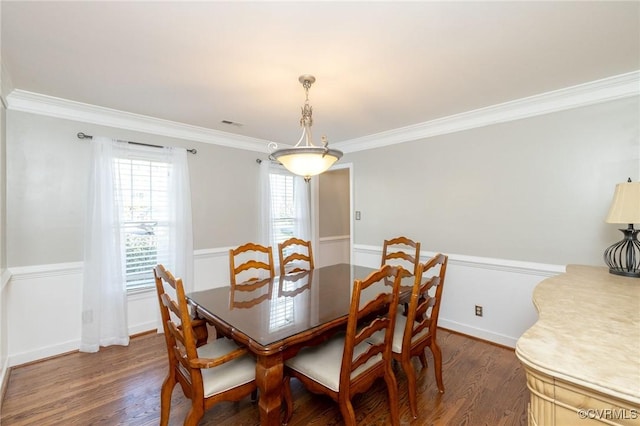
x: 478, y: 310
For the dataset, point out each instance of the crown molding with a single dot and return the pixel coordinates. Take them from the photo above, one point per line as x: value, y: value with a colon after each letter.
x: 604, y: 90
x: 21, y: 100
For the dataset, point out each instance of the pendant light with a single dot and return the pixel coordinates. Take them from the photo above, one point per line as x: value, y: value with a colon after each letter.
x: 305, y: 158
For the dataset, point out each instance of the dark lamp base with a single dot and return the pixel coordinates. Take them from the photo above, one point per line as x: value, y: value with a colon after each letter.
x: 632, y: 274
x: 623, y: 257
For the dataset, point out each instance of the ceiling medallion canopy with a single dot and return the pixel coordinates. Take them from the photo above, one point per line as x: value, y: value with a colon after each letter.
x: 305, y: 158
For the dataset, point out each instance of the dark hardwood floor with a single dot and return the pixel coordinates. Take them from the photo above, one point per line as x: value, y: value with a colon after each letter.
x: 484, y: 385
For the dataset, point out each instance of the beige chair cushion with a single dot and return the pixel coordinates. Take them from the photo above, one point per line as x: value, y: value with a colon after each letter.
x: 398, y: 334
x: 228, y: 375
x: 322, y: 363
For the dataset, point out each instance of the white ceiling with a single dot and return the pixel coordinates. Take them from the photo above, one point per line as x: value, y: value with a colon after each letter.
x: 379, y: 65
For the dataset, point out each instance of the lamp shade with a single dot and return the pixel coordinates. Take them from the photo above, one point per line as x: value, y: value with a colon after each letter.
x: 625, y: 207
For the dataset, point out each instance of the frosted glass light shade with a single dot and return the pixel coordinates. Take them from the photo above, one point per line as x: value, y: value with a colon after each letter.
x: 307, y: 161
x: 625, y: 207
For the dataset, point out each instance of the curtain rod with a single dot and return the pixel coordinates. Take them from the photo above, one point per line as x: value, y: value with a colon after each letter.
x: 85, y: 136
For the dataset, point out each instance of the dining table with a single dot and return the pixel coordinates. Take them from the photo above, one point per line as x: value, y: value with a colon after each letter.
x: 277, y: 317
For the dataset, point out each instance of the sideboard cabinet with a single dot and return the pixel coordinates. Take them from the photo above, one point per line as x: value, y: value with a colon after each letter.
x: 582, y: 356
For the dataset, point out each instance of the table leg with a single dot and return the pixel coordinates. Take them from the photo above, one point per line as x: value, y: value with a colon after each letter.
x: 269, y: 380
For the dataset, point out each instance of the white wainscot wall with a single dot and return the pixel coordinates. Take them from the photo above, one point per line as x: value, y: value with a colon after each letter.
x: 503, y: 288
x: 333, y: 250
x: 43, y: 311
x: 44, y: 303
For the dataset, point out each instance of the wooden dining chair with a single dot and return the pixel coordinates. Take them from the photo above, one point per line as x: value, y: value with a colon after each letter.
x: 217, y: 371
x: 403, y: 252
x: 254, y: 262
x: 295, y: 255
x: 348, y: 364
x: 418, y: 329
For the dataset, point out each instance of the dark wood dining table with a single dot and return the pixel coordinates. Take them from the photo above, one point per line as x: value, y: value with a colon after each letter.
x: 274, y: 321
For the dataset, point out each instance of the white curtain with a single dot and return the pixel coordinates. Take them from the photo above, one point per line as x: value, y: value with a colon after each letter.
x: 181, y: 234
x: 176, y: 251
x: 104, y: 290
x: 104, y: 297
x: 301, y: 201
x: 266, y: 219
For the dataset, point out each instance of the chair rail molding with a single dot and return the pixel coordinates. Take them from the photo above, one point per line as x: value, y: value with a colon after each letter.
x: 505, y: 265
x: 18, y: 273
x: 4, y: 278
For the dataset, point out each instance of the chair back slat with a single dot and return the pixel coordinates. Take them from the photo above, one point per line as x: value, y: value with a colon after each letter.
x: 295, y: 255
x: 259, y: 264
x: 403, y: 252
x: 251, y: 264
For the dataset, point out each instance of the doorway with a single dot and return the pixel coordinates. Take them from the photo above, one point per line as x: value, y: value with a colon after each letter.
x: 335, y: 213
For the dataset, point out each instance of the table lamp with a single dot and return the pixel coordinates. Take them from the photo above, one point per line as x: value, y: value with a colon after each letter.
x: 623, y: 257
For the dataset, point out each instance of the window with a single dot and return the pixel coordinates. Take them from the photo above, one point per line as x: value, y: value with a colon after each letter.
x: 288, y: 206
x: 282, y: 206
x: 143, y: 187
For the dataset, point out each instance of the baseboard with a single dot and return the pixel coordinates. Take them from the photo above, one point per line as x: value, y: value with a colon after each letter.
x: 43, y: 353
x: 143, y: 328
x: 5, y: 373
x: 486, y: 335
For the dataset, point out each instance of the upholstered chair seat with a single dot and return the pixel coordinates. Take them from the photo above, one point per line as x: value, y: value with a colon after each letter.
x: 322, y: 363
x: 228, y: 375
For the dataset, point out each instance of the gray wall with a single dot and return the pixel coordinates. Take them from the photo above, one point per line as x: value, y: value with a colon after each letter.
x: 47, y: 172
x: 535, y: 189
x: 333, y: 196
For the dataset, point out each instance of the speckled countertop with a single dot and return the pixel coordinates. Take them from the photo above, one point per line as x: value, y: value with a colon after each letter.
x: 588, y: 331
